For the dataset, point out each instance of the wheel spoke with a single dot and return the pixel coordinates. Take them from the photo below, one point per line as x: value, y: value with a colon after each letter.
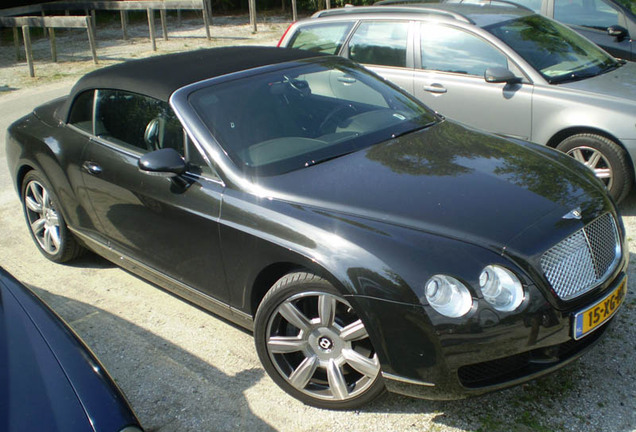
x: 337, y: 382
x: 294, y: 316
x: 326, y: 310
x: 593, y: 161
x: 46, y: 201
x: 55, y: 237
x: 578, y: 155
x: 303, y: 373
x: 603, y: 173
x: 47, y: 240
x: 38, y: 225
x: 366, y: 366
x: 285, y: 344
x: 35, y: 191
x: 354, y: 331
x: 33, y: 205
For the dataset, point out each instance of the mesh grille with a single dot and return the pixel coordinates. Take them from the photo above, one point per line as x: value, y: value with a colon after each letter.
x: 581, y: 261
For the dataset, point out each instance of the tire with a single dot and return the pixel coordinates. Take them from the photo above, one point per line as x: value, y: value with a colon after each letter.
x: 314, y: 346
x: 608, y: 160
x: 45, y: 222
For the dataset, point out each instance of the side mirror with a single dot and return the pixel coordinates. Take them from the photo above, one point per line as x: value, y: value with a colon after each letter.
x: 166, y: 162
x: 618, y: 32
x: 501, y: 75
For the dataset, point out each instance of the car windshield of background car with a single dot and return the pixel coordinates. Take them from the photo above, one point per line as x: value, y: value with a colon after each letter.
x: 558, y: 53
x: 295, y: 117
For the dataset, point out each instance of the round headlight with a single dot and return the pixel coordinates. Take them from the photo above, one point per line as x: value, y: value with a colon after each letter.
x: 501, y: 288
x: 448, y: 296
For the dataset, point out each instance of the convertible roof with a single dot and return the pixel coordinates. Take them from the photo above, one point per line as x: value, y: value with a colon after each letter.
x: 161, y: 76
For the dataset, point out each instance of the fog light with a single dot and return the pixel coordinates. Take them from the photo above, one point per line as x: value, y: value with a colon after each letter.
x: 448, y: 296
x: 501, y: 288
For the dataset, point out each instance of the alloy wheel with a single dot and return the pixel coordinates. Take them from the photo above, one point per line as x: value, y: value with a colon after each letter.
x: 321, y: 347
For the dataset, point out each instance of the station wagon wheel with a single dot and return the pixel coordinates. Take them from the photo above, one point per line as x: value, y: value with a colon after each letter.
x: 603, y: 156
x: 46, y: 224
x: 314, y: 345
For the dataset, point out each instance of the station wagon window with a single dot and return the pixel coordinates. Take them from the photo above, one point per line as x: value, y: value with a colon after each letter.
x: 81, y: 115
x: 587, y: 13
x: 324, y: 38
x: 534, y: 5
x: 380, y: 43
x: 447, y: 49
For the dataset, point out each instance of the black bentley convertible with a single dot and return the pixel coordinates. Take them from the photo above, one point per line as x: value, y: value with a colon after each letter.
x: 368, y: 242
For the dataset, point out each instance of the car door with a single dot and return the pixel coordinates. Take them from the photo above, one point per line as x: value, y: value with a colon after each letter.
x: 593, y: 18
x: 167, y: 225
x: 385, y: 47
x: 451, y: 81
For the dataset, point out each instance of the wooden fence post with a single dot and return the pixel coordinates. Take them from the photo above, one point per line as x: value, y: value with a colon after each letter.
x: 294, y: 11
x: 252, y: 7
x: 16, y: 43
x: 91, y: 38
x: 53, y: 46
x: 206, y: 18
x: 164, y: 26
x: 151, y: 27
x: 27, y: 47
x: 124, y: 23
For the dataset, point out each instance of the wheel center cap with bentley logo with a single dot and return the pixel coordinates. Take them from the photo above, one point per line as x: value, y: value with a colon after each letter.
x: 325, y: 343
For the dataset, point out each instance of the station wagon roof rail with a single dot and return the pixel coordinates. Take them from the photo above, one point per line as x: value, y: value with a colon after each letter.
x: 404, y: 9
x: 424, y: 2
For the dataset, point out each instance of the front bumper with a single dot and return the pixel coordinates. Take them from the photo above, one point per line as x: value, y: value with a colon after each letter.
x: 442, y: 360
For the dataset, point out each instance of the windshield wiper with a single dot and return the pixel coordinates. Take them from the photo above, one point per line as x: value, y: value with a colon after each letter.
x: 418, y: 128
x: 577, y: 76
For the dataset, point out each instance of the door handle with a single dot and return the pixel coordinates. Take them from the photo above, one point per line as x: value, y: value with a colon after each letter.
x: 92, y: 168
x: 435, y: 88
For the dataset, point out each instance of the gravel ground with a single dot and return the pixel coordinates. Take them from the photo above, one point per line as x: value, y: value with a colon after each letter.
x: 186, y: 370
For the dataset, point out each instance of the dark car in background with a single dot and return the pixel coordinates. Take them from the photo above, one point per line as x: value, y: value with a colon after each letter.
x: 367, y: 241
x: 609, y: 23
x: 49, y: 379
x: 502, y: 69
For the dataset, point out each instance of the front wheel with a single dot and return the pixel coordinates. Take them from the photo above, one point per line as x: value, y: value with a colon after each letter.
x: 607, y: 159
x: 314, y: 346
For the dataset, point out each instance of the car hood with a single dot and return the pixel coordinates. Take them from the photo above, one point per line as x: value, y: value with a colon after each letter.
x: 619, y: 83
x: 457, y: 182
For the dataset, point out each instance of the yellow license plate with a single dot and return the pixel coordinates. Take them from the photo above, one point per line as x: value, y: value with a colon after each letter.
x: 590, y: 319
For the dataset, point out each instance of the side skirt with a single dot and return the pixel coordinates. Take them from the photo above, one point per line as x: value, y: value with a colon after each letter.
x: 168, y: 283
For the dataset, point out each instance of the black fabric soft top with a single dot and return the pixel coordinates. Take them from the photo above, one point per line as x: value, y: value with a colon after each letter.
x: 161, y: 76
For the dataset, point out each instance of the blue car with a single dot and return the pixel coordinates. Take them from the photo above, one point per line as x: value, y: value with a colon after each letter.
x: 49, y: 380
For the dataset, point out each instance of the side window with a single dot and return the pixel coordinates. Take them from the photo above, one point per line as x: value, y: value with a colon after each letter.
x: 447, y: 49
x: 588, y: 13
x: 324, y: 38
x: 81, y: 114
x: 138, y: 122
x: 380, y: 43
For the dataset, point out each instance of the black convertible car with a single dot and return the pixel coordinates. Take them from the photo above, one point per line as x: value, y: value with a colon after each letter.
x: 367, y: 241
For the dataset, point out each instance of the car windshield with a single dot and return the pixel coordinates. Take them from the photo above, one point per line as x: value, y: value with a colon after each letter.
x: 298, y: 116
x: 558, y: 53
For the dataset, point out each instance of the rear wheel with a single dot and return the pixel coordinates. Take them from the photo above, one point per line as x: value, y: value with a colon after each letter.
x: 607, y: 159
x: 314, y: 345
x: 45, y: 222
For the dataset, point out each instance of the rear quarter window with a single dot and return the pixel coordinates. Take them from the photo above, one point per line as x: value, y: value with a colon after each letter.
x: 323, y: 38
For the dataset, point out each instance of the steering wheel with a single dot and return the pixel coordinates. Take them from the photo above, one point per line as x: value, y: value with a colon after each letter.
x: 331, y: 117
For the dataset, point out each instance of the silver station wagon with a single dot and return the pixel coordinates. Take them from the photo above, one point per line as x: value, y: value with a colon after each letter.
x: 503, y: 69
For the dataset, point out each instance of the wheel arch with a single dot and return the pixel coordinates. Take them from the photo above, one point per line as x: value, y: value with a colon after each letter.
x: 576, y: 130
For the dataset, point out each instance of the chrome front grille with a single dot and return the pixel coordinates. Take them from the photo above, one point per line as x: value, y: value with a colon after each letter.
x: 583, y: 260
